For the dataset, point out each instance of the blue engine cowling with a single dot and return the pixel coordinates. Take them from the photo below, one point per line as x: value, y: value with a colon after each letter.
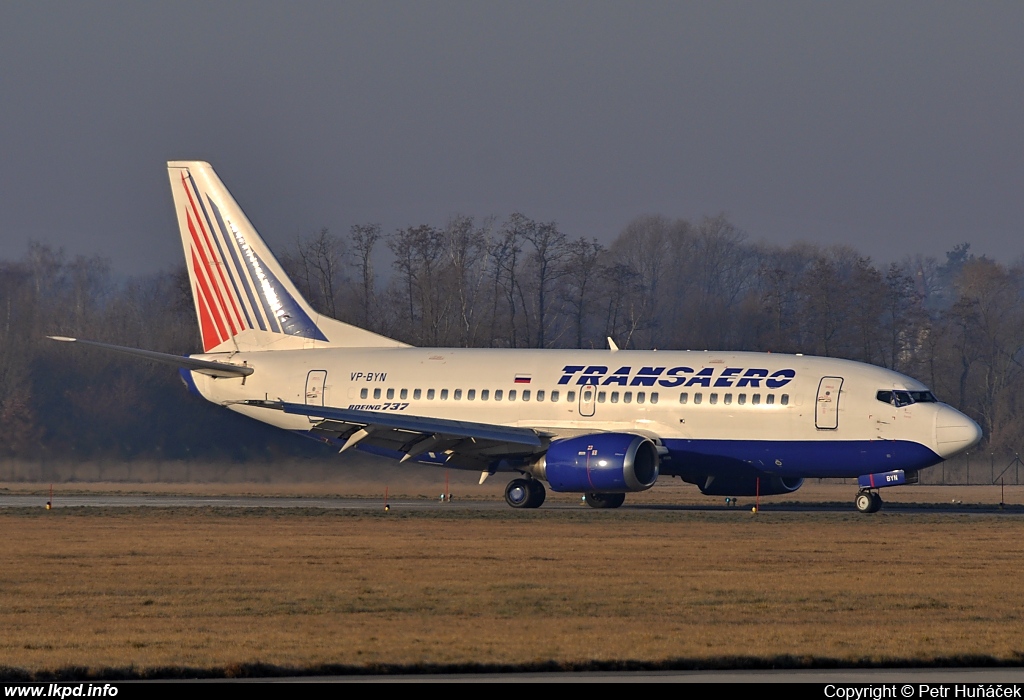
x: 748, y: 486
x: 600, y: 463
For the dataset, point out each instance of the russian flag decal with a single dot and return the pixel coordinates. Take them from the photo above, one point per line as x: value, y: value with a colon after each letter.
x: 523, y: 378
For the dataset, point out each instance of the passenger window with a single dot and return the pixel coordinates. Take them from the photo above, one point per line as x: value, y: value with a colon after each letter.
x: 698, y: 397
x: 627, y: 397
x: 430, y: 394
x: 683, y: 397
x: 600, y: 397
x: 471, y: 394
x: 526, y: 394
x: 391, y: 394
x: 570, y: 396
x: 498, y: 393
x: 785, y: 399
x: 540, y: 395
x: 404, y: 394
x: 484, y: 394
x: 554, y: 397
x: 364, y: 393
x: 728, y: 399
x: 416, y: 393
x: 639, y: 397
x: 512, y: 395
x: 654, y: 397
x: 741, y: 399
x: 376, y: 393
x: 770, y: 399
x: 615, y: 397
x: 458, y: 394
x: 756, y: 399
x: 714, y: 399
x: 444, y: 394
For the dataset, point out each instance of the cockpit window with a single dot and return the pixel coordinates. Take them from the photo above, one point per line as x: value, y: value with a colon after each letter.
x: 900, y: 398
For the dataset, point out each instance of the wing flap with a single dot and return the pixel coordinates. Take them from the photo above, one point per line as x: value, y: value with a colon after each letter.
x: 466, y: 444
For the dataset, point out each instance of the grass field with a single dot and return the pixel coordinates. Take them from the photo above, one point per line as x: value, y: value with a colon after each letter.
x: 300, y: 588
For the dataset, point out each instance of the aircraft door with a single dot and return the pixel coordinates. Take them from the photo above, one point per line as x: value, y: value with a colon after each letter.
x: 315, y: 388
x: 588, y: 396
x: 826, y: 408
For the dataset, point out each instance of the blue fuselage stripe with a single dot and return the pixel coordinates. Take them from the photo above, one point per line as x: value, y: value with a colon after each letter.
x: 796, y: 458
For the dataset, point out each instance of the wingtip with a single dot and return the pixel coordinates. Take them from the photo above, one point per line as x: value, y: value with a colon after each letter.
x: 62, y: 339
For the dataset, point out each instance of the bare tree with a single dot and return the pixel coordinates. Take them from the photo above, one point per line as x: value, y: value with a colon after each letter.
x: 364, y: 239
x: 582, y: 264
x: 316, y: 268
x: 546, y: 261
x: 419, y: 251
x: 505, y: 255
x: 642, y: 250
x: 466, y: 250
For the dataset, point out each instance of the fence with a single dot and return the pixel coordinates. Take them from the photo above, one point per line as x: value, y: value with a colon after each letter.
x: 976, y: 467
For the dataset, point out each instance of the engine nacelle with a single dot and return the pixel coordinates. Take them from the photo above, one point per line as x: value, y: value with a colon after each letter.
x: 600, y: 463
x: 747, y: 486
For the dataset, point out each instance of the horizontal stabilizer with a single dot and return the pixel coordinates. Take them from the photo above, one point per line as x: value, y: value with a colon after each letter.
x: 213, y: 369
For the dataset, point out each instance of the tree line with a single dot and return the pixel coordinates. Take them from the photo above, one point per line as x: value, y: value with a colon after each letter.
x: 957, y: 324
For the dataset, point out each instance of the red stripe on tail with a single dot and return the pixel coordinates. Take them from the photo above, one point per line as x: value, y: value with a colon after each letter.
x: 218, y: 264
x: 209, y: 275
x: 206, y: 327
x: 222, y: 333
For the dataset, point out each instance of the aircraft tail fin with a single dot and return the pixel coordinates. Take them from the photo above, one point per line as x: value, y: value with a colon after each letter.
x: 244, y: 300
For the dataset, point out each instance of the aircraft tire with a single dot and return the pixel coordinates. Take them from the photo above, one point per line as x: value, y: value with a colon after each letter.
x: 537, y: 494
x: 867, y: 502
x: 605, y: 500
x: 876, y: 503
x: 518, y: 493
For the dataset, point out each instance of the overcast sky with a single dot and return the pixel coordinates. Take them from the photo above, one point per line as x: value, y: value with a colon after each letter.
x: 897, y: 127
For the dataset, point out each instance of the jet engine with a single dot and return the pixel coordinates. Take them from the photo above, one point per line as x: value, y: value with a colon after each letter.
x: 748, y: 486
x: 600, y: 463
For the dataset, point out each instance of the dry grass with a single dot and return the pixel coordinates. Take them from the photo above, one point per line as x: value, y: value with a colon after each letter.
x: 201, y: 588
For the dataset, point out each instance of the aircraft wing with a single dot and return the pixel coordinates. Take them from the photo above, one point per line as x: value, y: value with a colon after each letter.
x: 460, y: 444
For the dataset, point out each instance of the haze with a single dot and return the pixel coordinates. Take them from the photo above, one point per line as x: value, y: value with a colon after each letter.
x: 894, y: 127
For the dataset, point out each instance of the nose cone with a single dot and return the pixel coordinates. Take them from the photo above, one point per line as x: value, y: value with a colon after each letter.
x: 954, y: 432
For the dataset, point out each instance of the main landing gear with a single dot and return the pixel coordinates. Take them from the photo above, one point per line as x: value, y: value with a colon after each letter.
x: 605, y: 500
x: 868, y: 502
x: 525, y: 493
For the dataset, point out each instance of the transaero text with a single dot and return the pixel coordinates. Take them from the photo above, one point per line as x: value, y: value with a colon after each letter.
x: 723, y: 377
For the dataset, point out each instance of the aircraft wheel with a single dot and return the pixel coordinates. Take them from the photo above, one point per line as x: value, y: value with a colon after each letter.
x: 867, y: 502
x: 605, y: 500
x: 876, y: 503
x: 537, y: 494
x: 517, y: 493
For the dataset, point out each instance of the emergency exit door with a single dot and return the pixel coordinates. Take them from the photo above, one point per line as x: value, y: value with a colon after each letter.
x: 587, y: 403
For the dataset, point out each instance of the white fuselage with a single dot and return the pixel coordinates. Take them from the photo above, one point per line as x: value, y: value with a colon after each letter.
x: 789, y: 415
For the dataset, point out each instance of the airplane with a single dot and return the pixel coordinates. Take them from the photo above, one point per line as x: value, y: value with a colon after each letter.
x: 603, y: 423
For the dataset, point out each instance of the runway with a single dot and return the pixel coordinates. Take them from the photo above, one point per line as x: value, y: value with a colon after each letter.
x: 426, y: 504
